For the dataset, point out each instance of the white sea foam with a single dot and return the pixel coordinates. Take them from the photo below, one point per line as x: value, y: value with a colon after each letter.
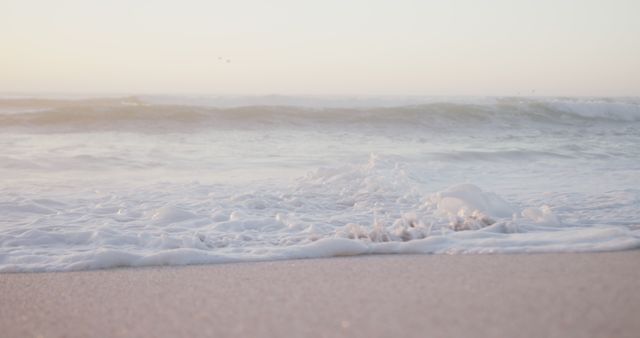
x: 112, y: 182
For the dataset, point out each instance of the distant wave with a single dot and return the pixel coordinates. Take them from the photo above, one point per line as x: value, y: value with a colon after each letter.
x: 493, y: 156
x: 137, y: 113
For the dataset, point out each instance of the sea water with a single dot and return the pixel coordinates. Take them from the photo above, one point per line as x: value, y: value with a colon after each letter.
x: 90, y: 183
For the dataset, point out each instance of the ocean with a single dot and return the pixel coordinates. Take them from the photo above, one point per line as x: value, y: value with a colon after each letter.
x: 89, y: 183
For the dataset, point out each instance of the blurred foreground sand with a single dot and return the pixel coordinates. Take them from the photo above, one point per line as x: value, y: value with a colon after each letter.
x: 548, y: 295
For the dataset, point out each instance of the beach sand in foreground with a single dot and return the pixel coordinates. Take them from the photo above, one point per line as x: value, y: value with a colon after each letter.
x: 549, y: 295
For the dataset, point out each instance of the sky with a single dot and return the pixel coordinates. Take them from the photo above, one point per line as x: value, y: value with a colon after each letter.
x: 328, y: 47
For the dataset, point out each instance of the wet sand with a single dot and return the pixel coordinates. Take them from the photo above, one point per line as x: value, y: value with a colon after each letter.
x: 550, y: 295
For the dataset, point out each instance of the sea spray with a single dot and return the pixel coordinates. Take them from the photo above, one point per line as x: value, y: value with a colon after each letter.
x: 102, y: 183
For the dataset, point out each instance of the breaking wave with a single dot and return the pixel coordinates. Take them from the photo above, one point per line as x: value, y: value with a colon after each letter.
x: 370, y: 208
x: 135, y: 181
x: 134, y: 113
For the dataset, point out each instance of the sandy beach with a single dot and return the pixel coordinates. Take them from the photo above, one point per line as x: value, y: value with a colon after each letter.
x: 551, y: 295
x: 334, y: 168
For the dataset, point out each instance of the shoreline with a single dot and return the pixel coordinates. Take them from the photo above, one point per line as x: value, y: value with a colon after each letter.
x: 568, y: 295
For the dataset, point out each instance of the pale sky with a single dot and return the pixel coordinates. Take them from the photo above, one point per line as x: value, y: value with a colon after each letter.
x: 324, y: 47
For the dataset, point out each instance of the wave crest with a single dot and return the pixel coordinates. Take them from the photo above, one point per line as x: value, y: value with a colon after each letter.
x: 132, y: 113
